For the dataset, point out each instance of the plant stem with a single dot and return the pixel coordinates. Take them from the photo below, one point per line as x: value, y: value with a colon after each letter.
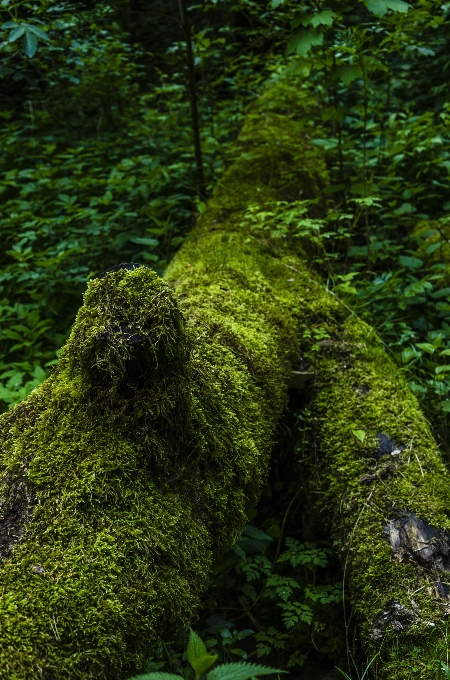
x: 193, y: 98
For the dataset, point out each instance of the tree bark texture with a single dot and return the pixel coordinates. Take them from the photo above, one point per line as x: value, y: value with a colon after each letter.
x: 129, y: 470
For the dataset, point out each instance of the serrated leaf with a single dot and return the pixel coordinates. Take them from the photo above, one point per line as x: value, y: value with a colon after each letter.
x: 156, y: 676
x: 240, y: 671
x: 324, y: 18
x: 196, y: 647
x: 9, y: 24
x: 29, y: 43
x: 16, y: 33
x: 378, y: 7
x: 348, y: 72
x: 302, y: 41
x: 198, y: 656
x: 256, y: 533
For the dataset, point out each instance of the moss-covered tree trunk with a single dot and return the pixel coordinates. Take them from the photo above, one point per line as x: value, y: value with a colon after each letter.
x: 128, y: 471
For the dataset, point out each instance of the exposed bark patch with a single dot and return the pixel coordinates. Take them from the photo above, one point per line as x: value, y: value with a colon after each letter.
x: 395, y: 616
x: 380, y: 472
x: 15, y: 512
x: 413, y: 539
x: 387, y: 446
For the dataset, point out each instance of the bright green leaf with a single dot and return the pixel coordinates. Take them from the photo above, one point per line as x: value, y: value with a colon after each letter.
x: 360, y: 435
x: 427, y: 347
x: 198, y: 656
x: 442, y: 369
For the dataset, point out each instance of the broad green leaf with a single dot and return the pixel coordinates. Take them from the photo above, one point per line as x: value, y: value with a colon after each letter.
x: 380, y: 7
x: 16, y: 33
x: 408, y: 354
x: 443, y: 292
x: 426, y: 52
x: 398, y: 5
x: 9, y: 24
x: 39, y: 33
x: 302, y: 41
x: 29, y: 43
x: 256, y: 533
x: 442, y: 369
x: 240, y: 671
x: 427, y: 347
x: 276, y: 3
x: 348, y: 72
x: 360, y: 435
x: 410, y: 262
x: 445, y: 406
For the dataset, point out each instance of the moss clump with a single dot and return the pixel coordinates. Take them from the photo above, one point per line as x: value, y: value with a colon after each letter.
x: 400, y: 599
x: 128, y: 472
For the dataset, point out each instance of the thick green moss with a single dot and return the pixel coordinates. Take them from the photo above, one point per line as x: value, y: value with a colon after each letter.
x: 362, y: 490
x: 127, y: 472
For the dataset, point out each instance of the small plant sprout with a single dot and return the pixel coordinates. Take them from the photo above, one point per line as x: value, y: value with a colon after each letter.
x: 201, y: 661
x: 446, y: 670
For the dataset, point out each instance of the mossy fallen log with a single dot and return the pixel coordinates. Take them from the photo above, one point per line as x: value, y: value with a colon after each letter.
x: 129, y: 470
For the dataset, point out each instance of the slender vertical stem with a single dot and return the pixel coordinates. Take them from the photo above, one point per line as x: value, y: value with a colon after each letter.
x: 339, y: 132
x: 193, y: 98
x: 366, y: 216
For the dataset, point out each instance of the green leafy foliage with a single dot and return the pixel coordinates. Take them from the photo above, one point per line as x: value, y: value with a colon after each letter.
x: 200, y: 661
